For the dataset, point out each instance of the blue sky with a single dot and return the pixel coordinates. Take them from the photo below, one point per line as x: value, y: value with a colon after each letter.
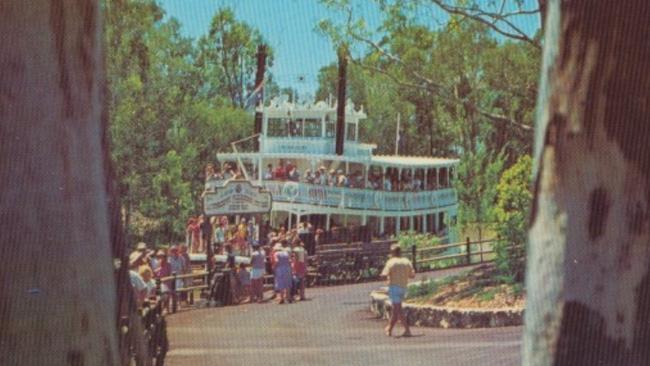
x: 289, y: 27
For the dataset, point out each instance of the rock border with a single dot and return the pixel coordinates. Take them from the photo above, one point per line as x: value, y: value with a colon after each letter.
x: 443, y: 317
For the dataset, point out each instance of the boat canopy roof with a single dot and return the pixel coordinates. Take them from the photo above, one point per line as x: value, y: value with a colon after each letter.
x: 411, y: 161
x: 392, y: 161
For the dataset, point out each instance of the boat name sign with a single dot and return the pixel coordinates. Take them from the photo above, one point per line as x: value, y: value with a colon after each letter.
x: 237, y: 197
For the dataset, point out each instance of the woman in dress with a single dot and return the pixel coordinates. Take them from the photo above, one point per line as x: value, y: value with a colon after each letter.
x: 282, y: 272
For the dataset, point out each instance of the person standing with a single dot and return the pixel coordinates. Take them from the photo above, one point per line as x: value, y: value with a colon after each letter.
x: 282, y: 272
x: 164, y: 270
x: 193, y: 234
x: 219, y: 236
x: 136, y: 259
x: 242, y: 237
x: 258, y: 269
x: 205, y: 226
x: 177, y: 265
x: 397, y: 271
x: 299, y: 268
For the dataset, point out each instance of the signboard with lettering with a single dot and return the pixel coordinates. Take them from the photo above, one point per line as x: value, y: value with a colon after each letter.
x: 237, y: 197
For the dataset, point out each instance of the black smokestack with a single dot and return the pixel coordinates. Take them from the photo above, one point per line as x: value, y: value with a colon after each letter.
x: 340, y: 111
x: 259, y: 79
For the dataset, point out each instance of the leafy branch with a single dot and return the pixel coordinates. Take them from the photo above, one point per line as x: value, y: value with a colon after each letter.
x: 494, y: 20
x: 425, y: 83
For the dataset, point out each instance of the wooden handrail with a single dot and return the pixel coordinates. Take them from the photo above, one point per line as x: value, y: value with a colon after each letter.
x: 453, y: 245
x: 186, y: 289
x: 183, y: 276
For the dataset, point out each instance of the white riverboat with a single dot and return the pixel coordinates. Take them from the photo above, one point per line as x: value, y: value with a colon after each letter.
x: 386, y: 194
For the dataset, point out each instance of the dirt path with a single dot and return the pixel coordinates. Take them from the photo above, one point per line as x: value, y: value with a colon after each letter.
x: 333, y: 328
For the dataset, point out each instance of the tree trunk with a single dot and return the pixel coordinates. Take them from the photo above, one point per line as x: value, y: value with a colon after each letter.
x: 57, y: 289
x: 588, y: 268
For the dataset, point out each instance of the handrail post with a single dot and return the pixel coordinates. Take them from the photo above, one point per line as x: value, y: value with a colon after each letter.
x: 480, y: 247
x: 414, y: 257
x: 468, y: 251
x: 174, y: 295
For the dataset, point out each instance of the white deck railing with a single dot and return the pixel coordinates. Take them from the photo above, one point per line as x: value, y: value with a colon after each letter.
x: 354, y: 198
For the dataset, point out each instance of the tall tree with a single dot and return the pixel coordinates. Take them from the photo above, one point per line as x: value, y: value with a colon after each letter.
x: 58, y: 305
x: 227, y: 54
x: 588, y: 269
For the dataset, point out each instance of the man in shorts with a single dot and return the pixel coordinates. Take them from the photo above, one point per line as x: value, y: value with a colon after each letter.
x: 398, y: 270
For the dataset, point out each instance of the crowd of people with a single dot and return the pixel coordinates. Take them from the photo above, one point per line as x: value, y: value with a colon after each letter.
x: 146, y: 265
x: 391, y: 181
x: 251, y: 252
x: 287, y: 171
x: 279, y: 253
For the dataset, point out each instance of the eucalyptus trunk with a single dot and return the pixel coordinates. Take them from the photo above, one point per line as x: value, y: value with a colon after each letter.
x: 57, y: 289
x: 589, y: 259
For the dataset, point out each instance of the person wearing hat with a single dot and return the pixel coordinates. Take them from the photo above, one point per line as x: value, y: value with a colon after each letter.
x: 141, y: 247
x: 177, y: 264
x: 397, y: 271
x: 136, y: 259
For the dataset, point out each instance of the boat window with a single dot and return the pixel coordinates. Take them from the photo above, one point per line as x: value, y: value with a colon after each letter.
x: 277, y: 127
x: 352, y: 132
x: 313, y: 127
x: 330, y: 129
x: 295, y: 127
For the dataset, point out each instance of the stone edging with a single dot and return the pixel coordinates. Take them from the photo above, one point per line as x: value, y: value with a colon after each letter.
x: 442, y: 317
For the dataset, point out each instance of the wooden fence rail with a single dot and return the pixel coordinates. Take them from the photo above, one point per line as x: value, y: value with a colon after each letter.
x: 468, y: 253
x: 174, y: 291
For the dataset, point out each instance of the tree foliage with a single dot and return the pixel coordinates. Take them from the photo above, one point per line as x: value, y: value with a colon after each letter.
x: 465, y: 86
x: 227, y: 57
x: 169, y: 113
x: 478, y: 174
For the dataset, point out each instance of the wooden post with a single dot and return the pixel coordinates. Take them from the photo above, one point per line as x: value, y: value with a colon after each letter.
x: 468, y: 251
x: 259, y: 82
x: 340, y: 108
x: 414, y: 259
x: 174, y: 294
x: 480, y: 247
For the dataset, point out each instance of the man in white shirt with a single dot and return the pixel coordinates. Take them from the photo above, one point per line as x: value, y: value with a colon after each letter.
x: 397, y: 271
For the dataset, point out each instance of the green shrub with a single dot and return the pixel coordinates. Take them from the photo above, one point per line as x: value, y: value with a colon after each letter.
x: 488, y: 295
x: 514, y: 198
x: 406, y: 240
x: 424, y: 288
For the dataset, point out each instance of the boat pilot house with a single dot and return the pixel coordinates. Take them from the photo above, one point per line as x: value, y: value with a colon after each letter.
x: 296, y: 160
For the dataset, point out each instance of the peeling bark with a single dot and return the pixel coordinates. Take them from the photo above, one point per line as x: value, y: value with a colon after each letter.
x: 588, y: 268
x: 57, y: 302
